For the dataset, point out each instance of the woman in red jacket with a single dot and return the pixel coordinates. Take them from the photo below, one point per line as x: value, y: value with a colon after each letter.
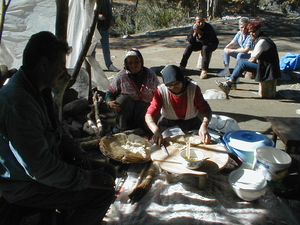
x: 178, y: 100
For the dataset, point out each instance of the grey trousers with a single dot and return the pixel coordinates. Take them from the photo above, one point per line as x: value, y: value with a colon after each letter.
x: 132, y: 114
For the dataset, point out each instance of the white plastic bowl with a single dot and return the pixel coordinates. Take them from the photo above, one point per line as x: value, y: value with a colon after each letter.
x: 248, y: 184
x: 195, y: 160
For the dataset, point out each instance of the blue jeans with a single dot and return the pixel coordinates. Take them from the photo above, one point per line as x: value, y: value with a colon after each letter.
x: 241, y: 66
x: 105, y: 48
x: 226, y: 57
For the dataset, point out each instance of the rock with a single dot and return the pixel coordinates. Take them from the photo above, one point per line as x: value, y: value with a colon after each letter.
x: 70, y: 95
x: 214, y: 94
x: 75, y: 107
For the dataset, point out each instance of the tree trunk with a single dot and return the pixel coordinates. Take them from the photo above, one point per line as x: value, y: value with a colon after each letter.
x: 62, y: 14
x: 215, y: 8
x: 208, y: 9
x: 253, y: 6
x: 2, y: 18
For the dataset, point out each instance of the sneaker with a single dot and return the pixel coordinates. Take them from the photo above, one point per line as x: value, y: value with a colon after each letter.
x: 224, y: 86
x: 113, y: 68
x: 182, y: 68
x: 237, y: 80
x: 203, y: 74
x: 233, y: 85
x: 224, y: 73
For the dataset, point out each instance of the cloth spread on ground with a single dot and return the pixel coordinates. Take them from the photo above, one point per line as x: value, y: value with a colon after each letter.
x: 181, y: 202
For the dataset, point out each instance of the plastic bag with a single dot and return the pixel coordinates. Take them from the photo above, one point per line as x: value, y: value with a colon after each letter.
x: 290, y: 61
x: 223, y: 124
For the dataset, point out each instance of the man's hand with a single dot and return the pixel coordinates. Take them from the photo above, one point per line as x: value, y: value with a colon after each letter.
x: 101, y: 180
x: 252, y: 59
x: 83, y: 162
x: 101, y: 17
x: 197, y: 31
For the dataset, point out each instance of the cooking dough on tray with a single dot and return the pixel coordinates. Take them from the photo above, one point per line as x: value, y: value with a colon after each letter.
x: 126, y: 148
x: 179, y: 142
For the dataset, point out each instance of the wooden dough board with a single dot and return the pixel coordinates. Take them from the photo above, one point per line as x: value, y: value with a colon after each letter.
x: 218, y: 158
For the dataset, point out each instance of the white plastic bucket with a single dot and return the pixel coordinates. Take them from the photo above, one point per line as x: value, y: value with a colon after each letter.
x: 273, y: 163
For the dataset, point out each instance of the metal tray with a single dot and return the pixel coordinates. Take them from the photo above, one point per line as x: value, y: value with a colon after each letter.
x: 109, y: 152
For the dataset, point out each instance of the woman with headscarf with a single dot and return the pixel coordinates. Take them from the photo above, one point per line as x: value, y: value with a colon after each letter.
x: 130, y: 92
x: 179, y: 100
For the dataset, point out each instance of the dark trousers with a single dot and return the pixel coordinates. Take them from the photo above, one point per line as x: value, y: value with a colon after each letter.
x: 206, y: 53
x: 85, y: 207
x: 132, y: 114
x: 185, y: 125
x: 88, y: 206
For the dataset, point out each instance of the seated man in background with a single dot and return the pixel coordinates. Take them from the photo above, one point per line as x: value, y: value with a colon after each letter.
x: 244, y: 42
x: 264, y: 60
x: 130, y: 93
x: 203, y: 37
x: 41, y: 165
x: 179, y: 100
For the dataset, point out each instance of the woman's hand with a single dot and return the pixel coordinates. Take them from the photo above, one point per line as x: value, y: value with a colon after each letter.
x: 114, y: 106
x: 157, y: 138
x: 203, y: 133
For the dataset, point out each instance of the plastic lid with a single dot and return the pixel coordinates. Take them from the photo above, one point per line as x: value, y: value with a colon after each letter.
x: 247, y: 179
x: 246, y: 140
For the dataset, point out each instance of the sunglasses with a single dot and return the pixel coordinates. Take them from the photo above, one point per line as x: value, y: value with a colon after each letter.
x: 176, y: 85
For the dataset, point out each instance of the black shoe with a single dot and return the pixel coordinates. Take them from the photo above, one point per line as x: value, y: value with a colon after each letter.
x: 116, y: 130
x: 288, y: 194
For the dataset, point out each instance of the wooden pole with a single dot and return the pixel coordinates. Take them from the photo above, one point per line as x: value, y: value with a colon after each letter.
x: 4, y: 8
x: 62, y: 14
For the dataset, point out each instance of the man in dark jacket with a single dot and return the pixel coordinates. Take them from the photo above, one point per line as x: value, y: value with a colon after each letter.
x: 41, y: 165
x: 203, y: 37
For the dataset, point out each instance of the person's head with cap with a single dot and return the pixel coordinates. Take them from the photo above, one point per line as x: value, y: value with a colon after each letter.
x: 173, y: 79
x: 133, y: 61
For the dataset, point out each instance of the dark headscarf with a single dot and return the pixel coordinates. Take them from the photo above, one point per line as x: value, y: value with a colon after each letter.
x: 173, y: 73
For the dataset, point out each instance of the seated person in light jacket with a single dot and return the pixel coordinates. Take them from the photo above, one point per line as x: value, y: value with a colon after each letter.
x: 130, y: 93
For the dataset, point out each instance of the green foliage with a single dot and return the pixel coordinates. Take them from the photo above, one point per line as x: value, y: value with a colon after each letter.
x: 151, y: 15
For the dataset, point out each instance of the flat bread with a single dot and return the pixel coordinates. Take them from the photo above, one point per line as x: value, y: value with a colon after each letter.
x: 180, y: 142
x: 126, y: 148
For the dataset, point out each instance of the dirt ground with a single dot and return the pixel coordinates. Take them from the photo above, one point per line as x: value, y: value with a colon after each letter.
x: 163, y: 47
